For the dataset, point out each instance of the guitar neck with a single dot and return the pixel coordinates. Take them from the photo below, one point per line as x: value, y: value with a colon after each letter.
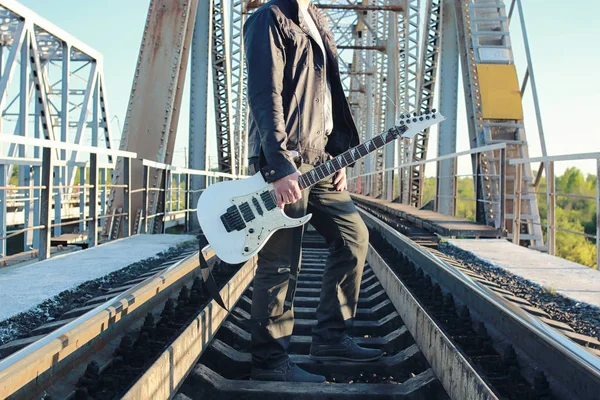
x: 330, y: 167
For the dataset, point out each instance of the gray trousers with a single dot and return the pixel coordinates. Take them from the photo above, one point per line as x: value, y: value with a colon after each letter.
x: 335, y: 217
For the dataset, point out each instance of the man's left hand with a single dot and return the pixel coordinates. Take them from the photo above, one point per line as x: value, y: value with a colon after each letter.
x: 340, y: 180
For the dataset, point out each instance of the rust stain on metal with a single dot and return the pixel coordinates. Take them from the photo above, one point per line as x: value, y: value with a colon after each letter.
x: 64, y: 340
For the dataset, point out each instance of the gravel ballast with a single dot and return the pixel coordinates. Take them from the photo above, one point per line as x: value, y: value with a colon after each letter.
x: 582, y: 317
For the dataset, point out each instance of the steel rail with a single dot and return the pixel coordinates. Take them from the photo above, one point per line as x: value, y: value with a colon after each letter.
x: 164, y: 377
x: 458, y: 377
x: 38, y: 365
x: 573, y: 372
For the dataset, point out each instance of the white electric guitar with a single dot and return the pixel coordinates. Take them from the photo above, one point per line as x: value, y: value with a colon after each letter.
x: 238, y: 217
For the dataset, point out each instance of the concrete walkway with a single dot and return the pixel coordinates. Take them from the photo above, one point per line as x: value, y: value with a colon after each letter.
x: 25, y: 286
x: 570, y: 279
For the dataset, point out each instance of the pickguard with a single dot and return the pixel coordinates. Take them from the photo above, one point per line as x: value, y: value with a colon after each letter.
x: 265, y: 223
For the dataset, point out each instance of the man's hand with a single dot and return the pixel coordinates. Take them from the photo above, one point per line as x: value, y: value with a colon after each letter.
x: 340, y: 180
x: 287, y: 190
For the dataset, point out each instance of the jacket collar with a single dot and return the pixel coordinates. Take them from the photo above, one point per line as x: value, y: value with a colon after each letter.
x: 299, y: 19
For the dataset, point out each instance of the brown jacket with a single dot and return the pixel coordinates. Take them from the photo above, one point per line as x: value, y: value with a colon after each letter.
x: 286, y: 87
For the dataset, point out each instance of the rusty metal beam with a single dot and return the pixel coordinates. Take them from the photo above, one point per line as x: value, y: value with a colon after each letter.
x: 378, y: 48
x: 152, y: 114
x: 355, y: 73
x: 358, y: 7
x: 361, y: 7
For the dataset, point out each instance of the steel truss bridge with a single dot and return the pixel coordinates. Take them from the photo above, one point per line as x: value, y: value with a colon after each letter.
x: 397, y: 57
x: 449, y: 328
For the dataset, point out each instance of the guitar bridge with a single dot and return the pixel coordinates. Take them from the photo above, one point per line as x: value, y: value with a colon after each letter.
x: 232, y: 220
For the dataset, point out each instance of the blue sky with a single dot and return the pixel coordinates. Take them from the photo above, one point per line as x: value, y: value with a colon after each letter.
x: 564, y: 42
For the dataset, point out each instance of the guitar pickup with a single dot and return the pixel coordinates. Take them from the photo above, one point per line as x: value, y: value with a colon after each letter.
x: 232, y: 220
x: 268, y: 200
x: 247, y: 212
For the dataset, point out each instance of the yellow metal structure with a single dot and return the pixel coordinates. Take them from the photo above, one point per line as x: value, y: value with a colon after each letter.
x: 500, y: 93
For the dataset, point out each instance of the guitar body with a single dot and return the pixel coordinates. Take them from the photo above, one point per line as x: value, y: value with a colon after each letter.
x: 238, y: 217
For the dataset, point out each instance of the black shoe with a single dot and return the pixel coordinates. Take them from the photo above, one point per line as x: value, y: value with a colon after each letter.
x: 286, y: 372
x: 345, y: 350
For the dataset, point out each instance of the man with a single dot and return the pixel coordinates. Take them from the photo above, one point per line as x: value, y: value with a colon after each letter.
x: 298, y: 106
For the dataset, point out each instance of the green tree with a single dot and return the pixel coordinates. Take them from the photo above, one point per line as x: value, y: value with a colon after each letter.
x: 465, y: 193
x: 570, y: 245
x: 575, y: 214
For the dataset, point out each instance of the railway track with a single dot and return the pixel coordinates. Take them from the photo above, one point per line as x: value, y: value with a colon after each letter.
x: 431, y: 242
x: 222, y: 372
x: 518, y: 348
x: 445, y: 334
x: 90, y: 300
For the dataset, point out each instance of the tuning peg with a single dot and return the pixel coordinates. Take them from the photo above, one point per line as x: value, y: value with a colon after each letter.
x: 427, y: 111
x: 428, y: 117
x: 408, y: 121
x: 433, y: 116
x: 414, y: 114
x: 414, y: 120
x: 433, y: 111
x: 421, y: 119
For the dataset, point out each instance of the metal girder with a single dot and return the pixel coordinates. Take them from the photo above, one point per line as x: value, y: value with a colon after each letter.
x: 392, y: 107
x: 152, y: 114
x: 425, y: 92
x: 409, y: 56
x: 238, y: 84
x: 222, y: 86
x: 87, y: 100
x: 200, y: 90
x: 381, y: 21
x: 361, y: 7
x: 377, y: 48
x: 447, y: 135
x: 370, y: 82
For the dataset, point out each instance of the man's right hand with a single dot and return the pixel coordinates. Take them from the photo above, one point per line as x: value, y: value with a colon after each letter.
x: 287, y: 189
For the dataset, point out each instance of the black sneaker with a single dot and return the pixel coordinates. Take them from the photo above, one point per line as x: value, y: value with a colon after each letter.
x: 345, y: 350
x: 286, y: 372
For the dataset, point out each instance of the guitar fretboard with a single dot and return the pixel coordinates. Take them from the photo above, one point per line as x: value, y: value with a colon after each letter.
x: 330, y: 167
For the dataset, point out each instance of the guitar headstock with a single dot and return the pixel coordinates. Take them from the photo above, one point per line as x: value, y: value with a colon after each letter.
x: 418, y: 122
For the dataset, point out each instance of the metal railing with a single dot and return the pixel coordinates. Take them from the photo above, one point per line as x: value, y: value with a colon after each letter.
x: 169, y: 206
x: 505, y: 221
x: 497, y: 203
x: 38, y: 195
x: 43, y: 205
x: 546, y: 167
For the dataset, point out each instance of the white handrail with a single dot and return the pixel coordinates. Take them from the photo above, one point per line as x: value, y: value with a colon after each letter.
x: 562, y: 157
x: 53, y: 144
x: 173, y: 168
x: 481, y: 149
